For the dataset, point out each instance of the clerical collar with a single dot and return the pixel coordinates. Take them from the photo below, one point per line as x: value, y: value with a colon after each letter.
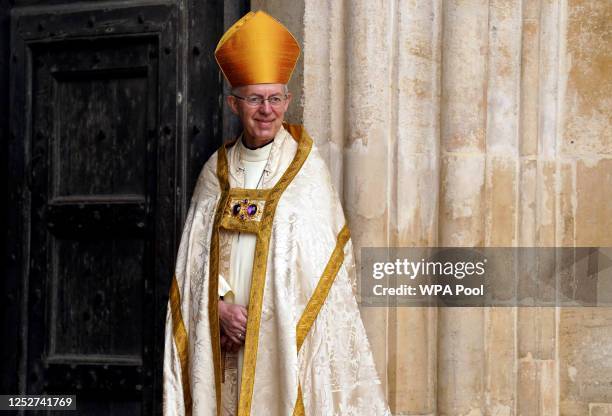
x: 255, y: 155
x: 251, y: 148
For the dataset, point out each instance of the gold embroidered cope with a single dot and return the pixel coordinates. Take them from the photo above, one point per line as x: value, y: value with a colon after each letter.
x: 224, y: 218
x: 254, y: 211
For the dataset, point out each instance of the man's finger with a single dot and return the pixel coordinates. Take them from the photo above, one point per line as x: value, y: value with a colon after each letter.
x: 242, y: 317
x: 240, y: 336
x: 235, y: 337
x: 239, y: 324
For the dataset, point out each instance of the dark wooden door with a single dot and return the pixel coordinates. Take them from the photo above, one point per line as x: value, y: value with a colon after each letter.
x: 100, y: 106
x: 114, y: 108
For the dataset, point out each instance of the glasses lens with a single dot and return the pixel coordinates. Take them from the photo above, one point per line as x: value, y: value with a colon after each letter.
x: 253, y: 100
x: 275, y: 100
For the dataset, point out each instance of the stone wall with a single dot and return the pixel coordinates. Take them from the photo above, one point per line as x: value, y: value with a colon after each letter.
x: 460, y: 123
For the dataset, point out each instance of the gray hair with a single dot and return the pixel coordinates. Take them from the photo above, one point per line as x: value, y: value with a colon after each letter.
x: 236, y: 90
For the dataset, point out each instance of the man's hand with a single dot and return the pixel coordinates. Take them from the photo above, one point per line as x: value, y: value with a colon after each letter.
x: 228, y: 345
x: 233, y: 319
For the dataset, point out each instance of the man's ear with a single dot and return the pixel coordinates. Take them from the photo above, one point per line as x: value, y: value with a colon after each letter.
x: 233, y: 104
x: 288, y: 99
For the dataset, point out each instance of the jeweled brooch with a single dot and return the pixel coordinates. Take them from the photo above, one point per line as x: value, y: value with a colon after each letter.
x: 246, y: 210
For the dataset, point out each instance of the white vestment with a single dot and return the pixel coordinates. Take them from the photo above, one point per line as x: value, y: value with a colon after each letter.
x: 306, y: 350
x: 252, y: 166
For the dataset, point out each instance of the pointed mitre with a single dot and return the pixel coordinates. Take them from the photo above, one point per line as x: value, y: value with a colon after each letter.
x: 257, y: 49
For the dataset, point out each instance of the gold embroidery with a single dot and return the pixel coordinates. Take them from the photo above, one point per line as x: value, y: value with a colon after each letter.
x: 234, y: 223
x: 213, y: 275
x: 180, y: 339
x: 316, y: 301
x: 241, y: 193
x: 259, y: 270
x: 299, y: 404
x: 245, y: 210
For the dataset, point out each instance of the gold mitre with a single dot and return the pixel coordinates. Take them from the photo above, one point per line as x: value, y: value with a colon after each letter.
x: 257, y: 49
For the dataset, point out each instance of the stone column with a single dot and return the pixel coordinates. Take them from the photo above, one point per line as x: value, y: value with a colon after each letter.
x: 502, y: 192
x: 537, y: 379
x: 367, y: 148
x: 414, y: 193
x: 585, y: 198
x: 461, y: 342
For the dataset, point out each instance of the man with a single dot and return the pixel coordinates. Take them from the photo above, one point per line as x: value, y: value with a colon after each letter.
x: 262, y: 317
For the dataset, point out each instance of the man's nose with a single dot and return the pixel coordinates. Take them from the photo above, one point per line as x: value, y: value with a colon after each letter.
x: 265, y: 107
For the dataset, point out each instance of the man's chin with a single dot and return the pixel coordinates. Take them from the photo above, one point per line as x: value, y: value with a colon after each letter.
x: 265, y: 127
x: 265, y: 134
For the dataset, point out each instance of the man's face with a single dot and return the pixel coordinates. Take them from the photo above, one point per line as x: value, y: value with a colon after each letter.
x: 261, y: 122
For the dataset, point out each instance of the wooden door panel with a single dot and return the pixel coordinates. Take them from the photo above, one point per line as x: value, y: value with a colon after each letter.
x: 101, y: 128
x: 97, y: 300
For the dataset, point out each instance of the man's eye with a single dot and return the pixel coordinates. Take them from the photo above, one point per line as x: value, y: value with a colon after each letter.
x: 275, y: 100
x: 253, y: 100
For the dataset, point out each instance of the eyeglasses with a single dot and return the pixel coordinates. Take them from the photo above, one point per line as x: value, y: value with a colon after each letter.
x: 256, y: 101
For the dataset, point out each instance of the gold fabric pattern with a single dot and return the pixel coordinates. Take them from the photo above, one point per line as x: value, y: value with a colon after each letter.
x: 180, y: 339
x: 213, y: 287
x: 317, y: 299
x: 299, y: 404
x: 248, y: 224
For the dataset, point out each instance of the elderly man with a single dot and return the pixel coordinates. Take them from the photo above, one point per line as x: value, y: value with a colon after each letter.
x: 262, y: 317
